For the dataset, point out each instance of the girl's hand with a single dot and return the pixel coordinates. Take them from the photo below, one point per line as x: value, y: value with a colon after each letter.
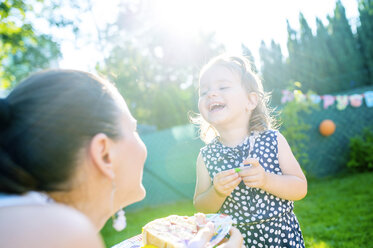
x: 225, y: 182
x: 235, y: 240
x: 204, y: 235
x: 254, y: 175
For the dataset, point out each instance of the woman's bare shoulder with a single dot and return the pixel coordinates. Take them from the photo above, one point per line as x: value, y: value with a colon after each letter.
x: 51, y: 225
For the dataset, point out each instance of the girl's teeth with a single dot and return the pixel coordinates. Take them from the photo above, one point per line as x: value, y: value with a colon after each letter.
x: 216, y: 106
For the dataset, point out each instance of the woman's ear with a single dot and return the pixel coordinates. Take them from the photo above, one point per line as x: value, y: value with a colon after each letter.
x: 252, y: 101
x: 101, y: 155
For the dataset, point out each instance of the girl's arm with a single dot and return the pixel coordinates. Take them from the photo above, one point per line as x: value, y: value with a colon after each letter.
x: 207, y: 197
x: 292, y: 185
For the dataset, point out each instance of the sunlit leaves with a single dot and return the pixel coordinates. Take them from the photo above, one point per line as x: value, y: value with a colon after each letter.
x: 154, y: 68
x: 22, y: 49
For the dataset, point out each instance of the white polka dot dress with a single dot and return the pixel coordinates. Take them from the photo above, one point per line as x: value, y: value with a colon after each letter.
x: 263, y: 219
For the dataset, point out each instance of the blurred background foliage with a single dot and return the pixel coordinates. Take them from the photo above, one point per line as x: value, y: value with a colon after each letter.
x: 333, y: 59
x: 23, y: 49
x: 156, y: 69
x: 361, y: 151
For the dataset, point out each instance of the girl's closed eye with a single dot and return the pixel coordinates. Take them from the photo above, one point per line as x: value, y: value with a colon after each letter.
x: 224, y: 87
x: 203, y: 93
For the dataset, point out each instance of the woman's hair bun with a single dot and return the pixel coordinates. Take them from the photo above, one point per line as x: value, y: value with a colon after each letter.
x: 4, y: 112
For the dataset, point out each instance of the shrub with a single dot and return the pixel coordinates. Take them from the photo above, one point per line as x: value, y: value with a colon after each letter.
x: 294, y: 128
x: 361, y: 152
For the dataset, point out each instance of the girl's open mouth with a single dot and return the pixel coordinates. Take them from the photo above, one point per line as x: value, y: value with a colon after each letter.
x: 216, y: 107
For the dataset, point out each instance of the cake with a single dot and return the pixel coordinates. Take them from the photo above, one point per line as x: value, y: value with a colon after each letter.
x: 173, y: 231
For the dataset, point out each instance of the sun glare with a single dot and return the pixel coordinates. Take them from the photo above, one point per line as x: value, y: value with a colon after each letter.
x: 233, y: 22
x: 187, y: 17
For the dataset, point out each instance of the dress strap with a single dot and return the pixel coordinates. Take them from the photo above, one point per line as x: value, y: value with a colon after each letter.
x: 252, y: 139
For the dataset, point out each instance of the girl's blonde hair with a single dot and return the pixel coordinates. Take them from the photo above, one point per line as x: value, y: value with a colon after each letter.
x: 261, y: 118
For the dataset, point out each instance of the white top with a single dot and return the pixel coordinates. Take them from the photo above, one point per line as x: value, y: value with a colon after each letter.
x: 30, y: 198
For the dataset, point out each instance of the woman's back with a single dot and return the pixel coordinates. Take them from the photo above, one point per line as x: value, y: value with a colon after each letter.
x: 49, y: 225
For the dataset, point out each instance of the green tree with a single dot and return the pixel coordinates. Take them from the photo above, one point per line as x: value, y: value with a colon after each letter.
x: 155, y: 70
x: 308, y: 63
x: 365, y: 34
x: 23, y: 48
x: 294, y: 60
x: 345, y: 50
x: 299, y: 58
x: 273, y: 70
x: 327, y: 67
x: 247, y: 53
x: 152, y: 92
x: 328, y: 61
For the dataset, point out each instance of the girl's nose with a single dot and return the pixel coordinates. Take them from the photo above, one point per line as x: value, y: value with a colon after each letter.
x: 212, y: 93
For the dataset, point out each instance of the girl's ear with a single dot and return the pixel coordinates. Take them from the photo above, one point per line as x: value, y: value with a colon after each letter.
x: 101, y: 155
x: 252, y: 101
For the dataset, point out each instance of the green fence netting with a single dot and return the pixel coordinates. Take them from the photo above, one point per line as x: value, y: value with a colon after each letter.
x: 169, y: 172
x: 329, y: 155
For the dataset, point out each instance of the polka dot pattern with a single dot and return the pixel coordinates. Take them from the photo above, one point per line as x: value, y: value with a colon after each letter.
x: 264, y: 220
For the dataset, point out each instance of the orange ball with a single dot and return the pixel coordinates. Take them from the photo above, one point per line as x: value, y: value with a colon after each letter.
x: 327, y: 127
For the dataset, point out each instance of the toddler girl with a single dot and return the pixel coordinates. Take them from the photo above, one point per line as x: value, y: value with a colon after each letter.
x: 247, y: 169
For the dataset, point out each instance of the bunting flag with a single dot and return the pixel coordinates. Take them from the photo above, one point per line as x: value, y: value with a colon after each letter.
x: 328, y: 100
x: 299, y: 96
x: 287, y: 96
x: 356, y: 100
x: 369, y: 98
x: 341, y: 101
x: 315, y: 98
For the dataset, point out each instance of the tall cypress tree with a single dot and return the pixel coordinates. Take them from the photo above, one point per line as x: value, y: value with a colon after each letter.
x: 345, y: 49
x: 247, y: 53
x: 294, y: 59
x: 329, y: 61
x: 273, y: 69
x: 365, y: 34
x: 306, y: 50
x: 327, y: 67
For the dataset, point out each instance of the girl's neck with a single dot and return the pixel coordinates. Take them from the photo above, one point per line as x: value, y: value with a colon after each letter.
x: 233, y: 137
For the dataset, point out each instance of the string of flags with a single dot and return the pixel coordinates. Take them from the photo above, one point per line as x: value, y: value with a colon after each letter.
x: 341, y: 101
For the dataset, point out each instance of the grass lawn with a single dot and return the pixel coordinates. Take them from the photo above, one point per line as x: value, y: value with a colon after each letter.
x: 337, y: 212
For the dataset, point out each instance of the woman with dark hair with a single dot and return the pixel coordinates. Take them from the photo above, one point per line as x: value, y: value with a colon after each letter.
x: 70, y: 157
